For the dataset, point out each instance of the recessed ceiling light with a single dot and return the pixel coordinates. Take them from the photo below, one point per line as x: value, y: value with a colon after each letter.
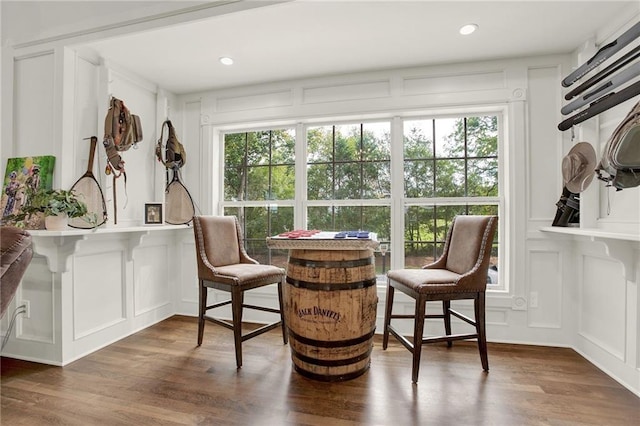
x: 226, y: 60
x: 468, y: 29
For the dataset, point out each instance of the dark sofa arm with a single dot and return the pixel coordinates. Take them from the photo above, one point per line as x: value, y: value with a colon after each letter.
x: 15, y: 256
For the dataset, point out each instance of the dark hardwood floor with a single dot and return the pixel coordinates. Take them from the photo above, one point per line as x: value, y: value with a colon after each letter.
x: 160, y: 377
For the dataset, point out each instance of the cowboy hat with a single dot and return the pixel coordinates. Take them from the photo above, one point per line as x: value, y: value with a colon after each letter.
x: 578, y: 167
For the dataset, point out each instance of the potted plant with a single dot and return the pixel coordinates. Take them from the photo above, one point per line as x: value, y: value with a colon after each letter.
x: 56, y: 205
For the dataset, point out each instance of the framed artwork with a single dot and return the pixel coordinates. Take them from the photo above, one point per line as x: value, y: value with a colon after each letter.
x: 22, y: 175
x: 153, y: 213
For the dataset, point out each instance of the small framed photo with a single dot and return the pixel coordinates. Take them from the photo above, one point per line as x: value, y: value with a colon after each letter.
x: 153, y: 213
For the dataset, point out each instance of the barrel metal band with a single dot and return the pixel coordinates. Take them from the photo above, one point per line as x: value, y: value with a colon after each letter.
x: 331, y: 263
x: 331, y: 286
x: 332, y: 362
x: 332, y: 377
x: 332, y: 343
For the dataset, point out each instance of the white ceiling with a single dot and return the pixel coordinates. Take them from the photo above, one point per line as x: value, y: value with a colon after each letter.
x: 307, y: 38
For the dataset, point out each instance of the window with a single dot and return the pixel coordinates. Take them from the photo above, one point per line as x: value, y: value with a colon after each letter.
x: 349, y: 179
x: 259, y: 165
x: 450, y: 168
x: 349, y: 162
x: 259, y: 168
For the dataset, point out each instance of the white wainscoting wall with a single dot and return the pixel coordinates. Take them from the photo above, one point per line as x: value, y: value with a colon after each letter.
x: 88, y: 291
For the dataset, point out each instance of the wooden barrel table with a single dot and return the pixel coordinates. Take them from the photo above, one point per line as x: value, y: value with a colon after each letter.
x: 330, y: 305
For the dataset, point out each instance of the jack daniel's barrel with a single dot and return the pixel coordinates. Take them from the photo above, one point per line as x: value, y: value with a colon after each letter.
x: 330, y: 309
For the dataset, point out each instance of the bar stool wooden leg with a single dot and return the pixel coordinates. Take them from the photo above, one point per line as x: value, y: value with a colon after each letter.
x: 236, y: 308
x: 418, y: 331
x: 479, y: 306
x: 285, y: 335
x: 387, y: 316
x: 446, y: 306
x: 201, y: 311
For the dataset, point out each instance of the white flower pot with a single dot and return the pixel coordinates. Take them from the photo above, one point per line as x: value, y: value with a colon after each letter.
x: 56, y: 223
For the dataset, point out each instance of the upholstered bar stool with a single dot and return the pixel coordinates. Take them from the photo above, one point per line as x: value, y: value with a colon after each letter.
x: 460, y: 273
x: 223, y: 264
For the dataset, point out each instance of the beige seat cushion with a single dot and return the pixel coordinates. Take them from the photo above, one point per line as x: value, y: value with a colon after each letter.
x: 246, y: 273
x: 427, y: 280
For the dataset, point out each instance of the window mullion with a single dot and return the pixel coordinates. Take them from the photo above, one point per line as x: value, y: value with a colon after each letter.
x: 270, y: 183
x: 396, y: 245
x: 466, y: 161
x: 300, y: 190
x: 361, y: 159
x: 333, y: 165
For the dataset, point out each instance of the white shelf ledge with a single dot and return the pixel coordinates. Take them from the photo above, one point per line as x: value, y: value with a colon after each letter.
x: 624, y: 247
x: 592, y: 232
x: 104, y: 230
x: 58, y: 246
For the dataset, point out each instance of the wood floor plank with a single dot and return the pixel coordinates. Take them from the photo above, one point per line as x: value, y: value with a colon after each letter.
x: 160, y: 377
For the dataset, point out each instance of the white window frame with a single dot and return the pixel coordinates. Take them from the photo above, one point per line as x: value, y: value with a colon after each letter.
x: 397, y: 201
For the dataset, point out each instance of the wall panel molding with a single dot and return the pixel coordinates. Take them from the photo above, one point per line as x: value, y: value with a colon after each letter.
x: 454, y: 83
x: 346, y: 92
x: 545, y: 286
x: 603, y: 310
x: 150, y: 285
x: 99, y: 300
x: 281, y: 98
